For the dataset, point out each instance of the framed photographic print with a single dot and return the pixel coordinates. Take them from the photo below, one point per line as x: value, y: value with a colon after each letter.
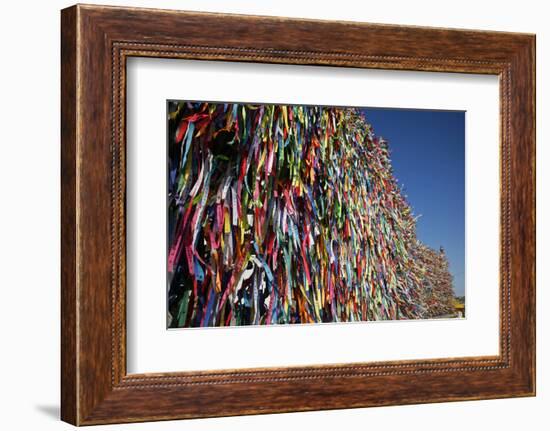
x: 321, y: 214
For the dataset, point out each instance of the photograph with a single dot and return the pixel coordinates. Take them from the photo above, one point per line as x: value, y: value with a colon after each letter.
x: 302, y: 214
x: 275, y: 210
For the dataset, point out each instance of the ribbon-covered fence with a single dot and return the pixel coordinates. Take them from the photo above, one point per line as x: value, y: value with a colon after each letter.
x: 289, y: 214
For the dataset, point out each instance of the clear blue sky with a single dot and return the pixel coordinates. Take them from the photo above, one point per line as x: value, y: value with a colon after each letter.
x: 427, y: 152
